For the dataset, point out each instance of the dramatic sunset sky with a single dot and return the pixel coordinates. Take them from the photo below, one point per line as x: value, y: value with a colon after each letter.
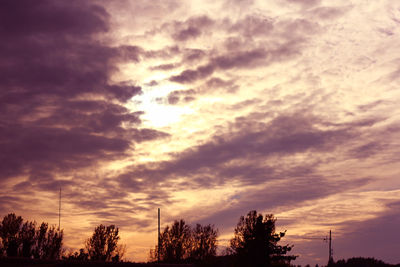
x: 206, y: 109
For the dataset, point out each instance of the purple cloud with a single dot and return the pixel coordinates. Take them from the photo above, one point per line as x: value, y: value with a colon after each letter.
x: 305, y: 3
x: 191, y: 28
x: 188, y: 33
x: 181, y: 95
x: 243, y: 59
x: 252, y: 26
x: 189, y: 76
x: 285, y: 135
x: 50, y: 59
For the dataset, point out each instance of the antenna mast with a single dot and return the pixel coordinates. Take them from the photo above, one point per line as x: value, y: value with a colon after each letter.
x: 330, y: 247
x: 158, y: 247
x: 59, y: 213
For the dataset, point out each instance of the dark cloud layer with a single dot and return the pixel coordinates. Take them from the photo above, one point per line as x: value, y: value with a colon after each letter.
x: 59, y: 111
x: 249, y: 149
x: 181, y: 95
x: 189, y: 29
x: 244, y: 52
x: 289, y: 193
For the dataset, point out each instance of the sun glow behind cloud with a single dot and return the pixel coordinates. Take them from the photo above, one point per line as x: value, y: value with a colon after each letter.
x: 158, y: 114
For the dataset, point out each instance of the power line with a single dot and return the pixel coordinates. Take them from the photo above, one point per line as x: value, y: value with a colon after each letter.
x: 327, y: 239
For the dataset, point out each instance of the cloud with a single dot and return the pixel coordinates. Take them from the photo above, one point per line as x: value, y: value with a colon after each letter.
x: 242, y: 59
x: 191, y: 28
x: 252, y: 26
x: 304, y: 3
x: 191, y: 55
x: 367, y: 150
x: 237, y: 5
x: 181, y: 96
x: 188, y: 33
x: 240, y: 51
x: 287, y: 193
x: 38, y: 150
x: 152, y: 83
x: 129, y: 53
x: 328, y: 13
x: 243, y: 156
x: 168, y: 66
x: 45, y: 17
x: 59, y: 109
x: 189, y: 76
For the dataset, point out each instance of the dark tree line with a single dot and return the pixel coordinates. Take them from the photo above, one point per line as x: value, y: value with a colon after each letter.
x: 255, y: 243
x: 361, y: 262
x: 25, y: 239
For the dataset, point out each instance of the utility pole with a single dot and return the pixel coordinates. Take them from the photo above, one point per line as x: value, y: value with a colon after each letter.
x: 158, y: 247
x: 327, y: 240
x: 330, y: 247
x: 59, y: 213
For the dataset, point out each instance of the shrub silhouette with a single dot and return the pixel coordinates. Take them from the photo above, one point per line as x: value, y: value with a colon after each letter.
x: 360, y: 262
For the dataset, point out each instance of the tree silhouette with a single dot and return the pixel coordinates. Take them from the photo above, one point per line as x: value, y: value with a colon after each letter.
x: 9, y: 230
x: 255, y: 242
x: 48, y: 242
x: 23, y: 239
x: 27, y: 237
x: 103, y: 244
x: 204, y: 242
x: 180, y: 243
x: 175, y: 242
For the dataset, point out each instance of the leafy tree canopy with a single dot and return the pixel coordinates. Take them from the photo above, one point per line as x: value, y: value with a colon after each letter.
x: 103, y: 245
x: 24, y: 239
x: 181, y: 243
x: 256, y: 243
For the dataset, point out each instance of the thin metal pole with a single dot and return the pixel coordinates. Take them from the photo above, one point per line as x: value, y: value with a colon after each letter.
x: 330, y: 246
x: 159, y: 237
x: 59, y: 213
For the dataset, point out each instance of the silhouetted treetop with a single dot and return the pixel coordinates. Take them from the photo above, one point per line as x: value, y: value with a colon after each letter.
x: 181, y: 243
x: 9, y: 229
x: 24, y: 239
x: 256, y: 243
x: 103, y: 245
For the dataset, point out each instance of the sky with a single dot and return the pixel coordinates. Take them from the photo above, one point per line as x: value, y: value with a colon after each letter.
x: 207, y: 110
